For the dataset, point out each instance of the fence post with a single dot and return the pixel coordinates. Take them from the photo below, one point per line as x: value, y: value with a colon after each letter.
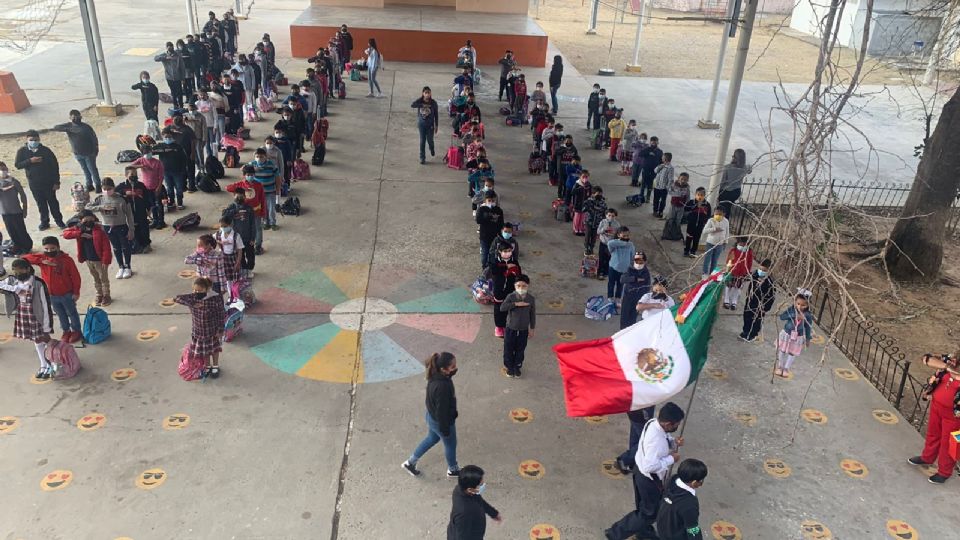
x: 823, y: 305
x: 903, y: 383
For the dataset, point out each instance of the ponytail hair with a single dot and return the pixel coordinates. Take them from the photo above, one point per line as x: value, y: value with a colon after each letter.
x: 438, y: 361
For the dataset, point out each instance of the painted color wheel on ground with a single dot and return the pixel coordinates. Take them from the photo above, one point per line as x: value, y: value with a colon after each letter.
x: 394, y: 318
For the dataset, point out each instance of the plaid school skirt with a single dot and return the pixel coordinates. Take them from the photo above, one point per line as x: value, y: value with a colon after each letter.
x: 25, y: 324
x: 230, y: 268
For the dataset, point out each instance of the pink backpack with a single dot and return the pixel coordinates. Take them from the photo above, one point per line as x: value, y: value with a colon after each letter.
x: 454, y: 158
x: 64, y: 358
x: 242, y: 289
x: 264, y: 104
x: 191, y: 367
x: 301, y: 171
x: 234, y: 141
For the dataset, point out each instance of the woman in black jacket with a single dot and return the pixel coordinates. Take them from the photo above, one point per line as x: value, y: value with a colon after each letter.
x: 556, y: 74
x: 759, y: 301
x: 468, y: 517
x: 441, y: 414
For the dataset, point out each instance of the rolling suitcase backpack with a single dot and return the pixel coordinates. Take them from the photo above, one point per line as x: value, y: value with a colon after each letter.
x: 301, y: 171
x: 190, y: 367
x: 589, y: 266
x: 233, y: 324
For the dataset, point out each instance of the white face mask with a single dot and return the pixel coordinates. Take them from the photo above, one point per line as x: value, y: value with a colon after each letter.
x: 638, y: 266
x: 269, y: 146
x: 521, y: 291
x: 3, y: 173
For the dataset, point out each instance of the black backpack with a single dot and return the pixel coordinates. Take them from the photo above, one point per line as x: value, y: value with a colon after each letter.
x: 319, y: 154
x: 207, y: 184
x: 213, y: 167
x: 231, y: 158
x: 290, y: 207
x: 126, y: 156
x: 188, y: 221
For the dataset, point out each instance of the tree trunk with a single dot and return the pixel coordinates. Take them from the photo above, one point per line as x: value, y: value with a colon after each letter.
x: 915, y: 247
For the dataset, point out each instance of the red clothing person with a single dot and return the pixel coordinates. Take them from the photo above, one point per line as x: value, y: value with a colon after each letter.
x: 943, y: 421
x: 739, y: 264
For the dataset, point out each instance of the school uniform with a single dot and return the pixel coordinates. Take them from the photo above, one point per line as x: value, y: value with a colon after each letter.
x: 490, y: 221
x: 520, y: 321
x: 605, y: 230
x: 679, y: 517
x: 503, y: 277
x: 636, y: 283
x: 207, y: 317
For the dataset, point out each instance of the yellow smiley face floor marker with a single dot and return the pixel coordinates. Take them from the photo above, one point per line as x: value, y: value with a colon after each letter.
x: 596, y: 419
x: 518, y: 415
x: 884, y: 417
x: 846, y: 374
x: 123, y: 374
x: 901, y: 530
x: 35, y: 380
x: 5, y: 337
x: 776, y: 468
x: 151, y: 479
x: 176, y: 421
x: 609, y: 469
x: 56, y: 480
x: 854, y: 469
x: 724, y: 530
x: 814, y: 416
x: 167, y: 303
x: 814, y: 530
x: 745, y: 418
x: 148, y: 335
x: 187, y: 274
x: 544, y: 531
x: 531, y: 469
x: 8, y: 424
x: 717, y: 373
x: 566, y: 335
x: 91, y: 422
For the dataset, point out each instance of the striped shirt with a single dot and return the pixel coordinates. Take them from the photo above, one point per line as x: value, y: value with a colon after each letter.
x: 266, y: 174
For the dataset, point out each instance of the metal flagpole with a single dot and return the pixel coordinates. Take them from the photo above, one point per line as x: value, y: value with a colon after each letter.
x: 729, y: 30
x: 733, y: 95
x: 98, y: 48
x: 91, y: 52
x: 191, y: 22
x: 635, y: 66
x: 592, y: 29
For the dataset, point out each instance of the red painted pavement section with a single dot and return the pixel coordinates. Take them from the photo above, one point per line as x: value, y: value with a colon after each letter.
x: 459, y: 327
x: 284, y: 302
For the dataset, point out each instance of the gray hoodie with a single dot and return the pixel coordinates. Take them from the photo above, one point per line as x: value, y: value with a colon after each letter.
x: 520, y: 318
x: 12, y: 197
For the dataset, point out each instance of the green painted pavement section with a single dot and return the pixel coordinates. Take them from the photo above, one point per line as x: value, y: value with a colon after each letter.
x: 452, y: 301
x: 290, y: 353
x: 315, y: 284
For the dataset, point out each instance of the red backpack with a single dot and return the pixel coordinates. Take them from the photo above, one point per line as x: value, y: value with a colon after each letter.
x: 191, y: 367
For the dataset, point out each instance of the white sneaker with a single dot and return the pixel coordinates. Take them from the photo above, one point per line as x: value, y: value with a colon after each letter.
x: 474, y: 213
x: 120, y: 274
x: 127, y: 273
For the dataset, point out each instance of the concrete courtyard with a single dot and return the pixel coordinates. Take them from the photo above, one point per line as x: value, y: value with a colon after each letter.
x: 321, y: 397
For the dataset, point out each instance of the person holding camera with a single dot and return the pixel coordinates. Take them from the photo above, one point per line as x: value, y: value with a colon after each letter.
x: 507, y: 63
x: 943, y: 391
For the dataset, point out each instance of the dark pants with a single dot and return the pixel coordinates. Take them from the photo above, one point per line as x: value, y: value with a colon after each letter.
x: 614, y: 287
x: 629, y: 458
x: 593, y: 118
x: 604, y: 265
x: 248, y: 257
x: 17, y: 230
x: 156, y: 209
x: 635, y: 177
x: 426, y: 138
x: 752, y: 323
x: 175, y: 182
x: 514, y: 343
x: 503, y: 86
x: 726, y: 199
x: 191, y: 175
x: 647, y: 494
x: 692, y: 242
x: 659, y: 200
x: 499, y: 316
x: 553, y: 98
x: 484, y: 253
x: 141, y: 231
x: 150, y: 111
x: 176, y: 92
x: 47, y: 204
x: 646, y: 185
x: 590, y: 238
x: 121, y: 246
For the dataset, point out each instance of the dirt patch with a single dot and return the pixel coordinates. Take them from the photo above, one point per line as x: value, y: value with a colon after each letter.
x: 688, y: 49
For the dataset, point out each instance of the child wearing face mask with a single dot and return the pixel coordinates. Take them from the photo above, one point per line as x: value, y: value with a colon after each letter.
x: 151, y: 174
x: 760, y: 297
x: 656, y: 300
x: 594, y: 209
x: 624, y: 152
x: 716, y: 233
x: 490, y: 220
x: 210, y: 263
x: 796, y: 333
x: 243, y: 220
x: 616, y: 126
x: 63, y: 282
x: 593, y: 106
x: 26, y: 298
x: 93, y: 248
x: 505, y: 240
x: 481, y: 181
x: 521, y: 309
x: 636, y: 284
x: 13, y: 208
x: 504, y: 273
x: 622, y: 252
x: 581, y: 191
x: 140, y: 200
x: 637, y: 160
x: 697, y: 212
x: 248, y: 192
x: 117, y: 218
x: 207, y: 317
x: 269, y: 177
x: 739, y: 265
x: 606, y: 230
x: 231, y: 244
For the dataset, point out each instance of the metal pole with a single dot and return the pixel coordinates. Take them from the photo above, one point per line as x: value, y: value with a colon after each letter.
x: 85, y: 19
x: 592, y: 29
x: 191, y: 23
x: 98, y: 48
x: 635, y: 66
x: 708, y: 122
x: 733, y: 95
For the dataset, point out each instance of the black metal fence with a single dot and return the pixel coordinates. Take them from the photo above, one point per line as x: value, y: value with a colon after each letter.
x: 875, y: 354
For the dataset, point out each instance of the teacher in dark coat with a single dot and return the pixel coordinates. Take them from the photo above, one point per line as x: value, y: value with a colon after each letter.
x: 556, y: 75
x: 636, y: 283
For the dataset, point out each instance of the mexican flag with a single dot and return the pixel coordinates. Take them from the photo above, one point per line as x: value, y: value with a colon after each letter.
x: 645, y: 364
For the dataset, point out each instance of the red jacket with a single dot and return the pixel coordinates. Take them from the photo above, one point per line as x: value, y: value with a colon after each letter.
x: 61, y: 277
x: 101, y: 243
x: 257, y: 201
x: 741, y: 262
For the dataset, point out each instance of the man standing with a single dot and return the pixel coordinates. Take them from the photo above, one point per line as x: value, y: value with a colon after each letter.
x: 346, y: 41
x: 651, y: 156
x: 507, y: 63
x: 175, y: 70
x: 187, y: 139
x: 428, y: 121
x: 13, y: 209
x: 656, y: 453
x: 43, y: 177
x: 83, y: 141
x: 149, y: 96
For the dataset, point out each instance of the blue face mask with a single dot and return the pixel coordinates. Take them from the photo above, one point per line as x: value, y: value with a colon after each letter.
x: 167, y: 141
x: 33, y: 145
x: 762, y: 273
x: 481, y: 488
x: 506, y: 235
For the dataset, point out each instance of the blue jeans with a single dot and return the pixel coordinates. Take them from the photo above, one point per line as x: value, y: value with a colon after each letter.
x: 175, y: 182
x: 90, y: 172
x: 484, y: 253
x: 122, y: 248
x: 711, y: 257
x: 66, y: 308
x: 271, y: 200
x: 426, y: 137
x: 553, y: 97
x: 432, y: 438
x: 372, y: 79
x: 614, y: 287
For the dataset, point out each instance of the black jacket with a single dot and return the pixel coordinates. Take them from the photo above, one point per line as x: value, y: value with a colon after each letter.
x: 43, y: 174
x: 468, y: 517
x: 347, y: 40
x: 593, y: 102
x: 442, y: 401
x: 651, y: 156
x: 173, y: 157
x: 243, y: 221
x: 679, y: 517
x: 697, y: 216
x: 490, y: 221
x: 762, y: 293
x: 556, y: 74
x: 83, y: 140
x: 198, y: 56
x: 427, y: 114
x: 149, y: 95
x: 503, y: 276
x: 499, y: 243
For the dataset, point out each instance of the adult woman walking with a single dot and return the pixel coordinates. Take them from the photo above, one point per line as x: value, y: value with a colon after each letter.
x: 374, y: 63
x: 732, y: 180
x: 441, y: 414
x: 556, y: 74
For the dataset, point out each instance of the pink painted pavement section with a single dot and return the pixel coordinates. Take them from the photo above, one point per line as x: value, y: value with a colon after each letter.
x: 461, y: 327
x: 281, y: 301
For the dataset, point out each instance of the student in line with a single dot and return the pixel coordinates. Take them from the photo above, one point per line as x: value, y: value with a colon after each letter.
x: 26, y: 298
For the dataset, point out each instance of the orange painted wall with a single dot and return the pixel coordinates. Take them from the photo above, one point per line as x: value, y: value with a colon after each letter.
x: 436, y: 3
x: 494, y: 6
x: 416, y: 46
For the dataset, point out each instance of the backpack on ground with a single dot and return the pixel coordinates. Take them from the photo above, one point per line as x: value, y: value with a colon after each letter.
x: 63, y: 358
x: 190, y: 367
x: 232, y: 141
x: 596, y: 140
x: 165, y: 98
x: 188, y: 221
x: 342, y: 90
x: 231, y: 158
x: 560, y: 210
x: 96, y: 326
x: 482, y: 290
x: 80, y: 196
x: 319, y: 135
x: 319, y: 154
x: 589, y: 266
x: 598, y: 308
x: 250, y: 114
x: 671, y: 230
x: 264, y: 104
x: 535, y: 163
x: 207, y: 184
x: 233, y: 324
x: 213, y: 167
x: 514, y: 120
x: 290, y: 206
x: 355, y: 75
x: 300, y: 170
x: 505, y: 111
x: 634, y: 200
x: 126, y: 156
x: 243, y: 133
x: 242, y: 290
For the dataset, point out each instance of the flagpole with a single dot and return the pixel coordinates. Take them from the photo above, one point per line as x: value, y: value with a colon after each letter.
x: 683, y: 425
